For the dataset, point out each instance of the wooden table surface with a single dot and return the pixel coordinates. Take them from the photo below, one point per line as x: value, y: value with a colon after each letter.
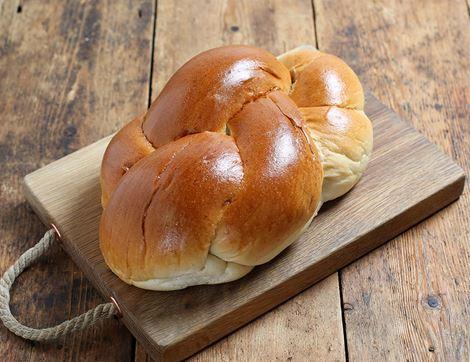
x: 72, y: 72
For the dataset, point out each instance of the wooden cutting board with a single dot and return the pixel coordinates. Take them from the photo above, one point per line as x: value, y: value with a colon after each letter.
x: 407, y: 180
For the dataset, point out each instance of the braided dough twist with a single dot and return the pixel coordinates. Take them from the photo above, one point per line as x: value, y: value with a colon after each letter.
x: 222, y: 172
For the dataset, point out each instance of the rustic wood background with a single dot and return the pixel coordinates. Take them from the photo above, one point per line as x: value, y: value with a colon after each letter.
x: 74, y: 71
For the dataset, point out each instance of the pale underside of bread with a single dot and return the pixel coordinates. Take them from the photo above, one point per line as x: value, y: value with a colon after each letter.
x: 215, y: 270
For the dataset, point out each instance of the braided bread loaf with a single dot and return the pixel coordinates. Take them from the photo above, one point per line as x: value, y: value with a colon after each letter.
x: 222, y: 172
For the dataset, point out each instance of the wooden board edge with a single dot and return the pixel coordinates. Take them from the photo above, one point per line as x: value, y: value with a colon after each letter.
x: 33, y: 201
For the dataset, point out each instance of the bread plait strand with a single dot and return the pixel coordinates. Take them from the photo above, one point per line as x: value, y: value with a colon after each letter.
x: 331, y: 100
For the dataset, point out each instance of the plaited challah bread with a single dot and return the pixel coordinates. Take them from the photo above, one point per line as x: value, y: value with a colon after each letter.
x: 222, y: 175
x: 331, y: 100
x: 218, y: 176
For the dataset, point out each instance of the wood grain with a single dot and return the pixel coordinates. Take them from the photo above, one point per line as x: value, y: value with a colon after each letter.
x: 412, y: 55
x: 305, y: 326
x: 268, y: 24
x: 70, y: 73
x: 410, y: 298
x: 393, y: 195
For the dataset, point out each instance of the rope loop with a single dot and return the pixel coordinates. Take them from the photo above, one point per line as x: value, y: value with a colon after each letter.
x: 79, y: 323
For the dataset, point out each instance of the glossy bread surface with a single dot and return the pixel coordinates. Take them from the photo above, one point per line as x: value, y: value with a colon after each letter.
x: 219, y: 175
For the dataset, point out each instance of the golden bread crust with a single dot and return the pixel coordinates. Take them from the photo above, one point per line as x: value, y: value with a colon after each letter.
x: 223, y: 171
x: 331, y: 99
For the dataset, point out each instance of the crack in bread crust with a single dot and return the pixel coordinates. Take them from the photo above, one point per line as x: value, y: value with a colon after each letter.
x: 302, y: 129
x: 154, y: 192
x: 144, y: 118
x: 264, y: 94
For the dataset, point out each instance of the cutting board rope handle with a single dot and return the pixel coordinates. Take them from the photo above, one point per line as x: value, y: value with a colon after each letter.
x: 100, y: 312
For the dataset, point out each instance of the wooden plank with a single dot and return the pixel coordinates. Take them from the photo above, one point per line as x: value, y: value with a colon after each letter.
x: 393, y: 195
x: 410, y: 298
x: 70, y: 73
x: 305, y: 326
x: 276, y: 25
